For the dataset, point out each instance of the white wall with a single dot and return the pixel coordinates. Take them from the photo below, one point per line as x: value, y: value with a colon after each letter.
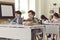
x: 44, y: 7
x: 41, y: 8
x: 8, y: 0
x: 38, y: 8
x: 49, y: 6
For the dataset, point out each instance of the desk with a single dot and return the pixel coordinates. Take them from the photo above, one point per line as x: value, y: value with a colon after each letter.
x: 19, y: 32
x: 53, y: 29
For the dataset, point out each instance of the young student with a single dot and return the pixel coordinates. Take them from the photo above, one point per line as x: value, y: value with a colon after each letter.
x: 44, y: 19
x: 17, y: 19
x: 31, y: 19
x: 56, y: 18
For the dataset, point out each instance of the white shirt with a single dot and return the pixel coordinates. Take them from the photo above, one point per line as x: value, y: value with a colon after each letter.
x: 45, y: 21
x: 56, y: 20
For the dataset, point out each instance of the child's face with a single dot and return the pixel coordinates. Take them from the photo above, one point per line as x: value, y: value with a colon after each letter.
x: 17, y: 15
x: 30, y: 15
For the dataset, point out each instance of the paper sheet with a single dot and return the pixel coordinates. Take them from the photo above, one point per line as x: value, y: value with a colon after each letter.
x: 7, y: 10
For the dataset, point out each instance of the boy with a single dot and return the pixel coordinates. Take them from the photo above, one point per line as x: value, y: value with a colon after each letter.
x: 31, y: 19
x: 17, y: 19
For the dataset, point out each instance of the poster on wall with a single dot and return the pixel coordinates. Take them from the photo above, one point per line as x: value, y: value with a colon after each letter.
x: 6, y: 10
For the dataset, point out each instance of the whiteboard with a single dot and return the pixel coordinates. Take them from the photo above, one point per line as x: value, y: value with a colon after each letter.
x: 6, y: 10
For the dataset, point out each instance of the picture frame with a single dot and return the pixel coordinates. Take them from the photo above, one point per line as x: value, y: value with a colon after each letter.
x: 7, y: 10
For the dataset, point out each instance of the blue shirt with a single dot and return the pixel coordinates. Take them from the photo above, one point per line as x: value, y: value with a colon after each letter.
x: 17, y: 20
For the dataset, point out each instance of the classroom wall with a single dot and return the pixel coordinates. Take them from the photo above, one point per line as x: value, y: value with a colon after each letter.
x: 41, y: 7
x: 38, y: 8
x: 48, y: 5
x: 44, y: 7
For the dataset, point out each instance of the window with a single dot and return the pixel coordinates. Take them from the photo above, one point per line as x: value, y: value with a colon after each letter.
x: 24, y: 6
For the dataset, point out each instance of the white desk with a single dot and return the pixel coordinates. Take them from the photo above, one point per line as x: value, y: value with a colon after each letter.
x: 53, y: 28
x: 19, y: 32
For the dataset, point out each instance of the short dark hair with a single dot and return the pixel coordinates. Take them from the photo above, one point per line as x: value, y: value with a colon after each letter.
x: 56, y: 15
x: 33, y: 13
x: 43, y: 17
x: 18, y: 12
